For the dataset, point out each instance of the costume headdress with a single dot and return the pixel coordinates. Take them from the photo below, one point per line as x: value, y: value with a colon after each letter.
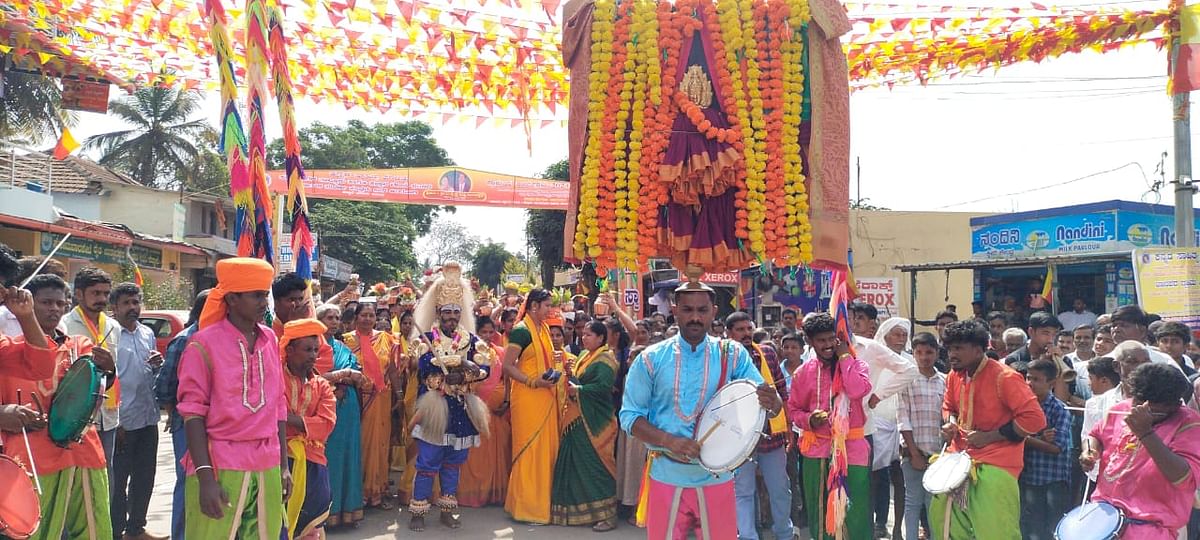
x: 235, y: 275
x: 450, y: 290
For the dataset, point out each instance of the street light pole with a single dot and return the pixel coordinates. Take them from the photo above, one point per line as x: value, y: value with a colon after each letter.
x: 1185, y: 230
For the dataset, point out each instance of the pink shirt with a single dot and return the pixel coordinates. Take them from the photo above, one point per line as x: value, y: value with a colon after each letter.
x: 803, y: 400
x: 1131, y: 481
x: 240, y: 397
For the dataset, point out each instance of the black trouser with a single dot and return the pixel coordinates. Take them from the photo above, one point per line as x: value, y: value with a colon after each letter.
x: 135, y: 459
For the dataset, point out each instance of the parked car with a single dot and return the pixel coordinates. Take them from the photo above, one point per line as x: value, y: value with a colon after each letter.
x: 166, y: 324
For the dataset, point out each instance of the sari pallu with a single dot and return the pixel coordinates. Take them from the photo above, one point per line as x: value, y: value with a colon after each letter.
x: 344, y: 448
x: 535, y: 427
x: 376, y: 433
x: 485, y: 474
x: 584, y: 489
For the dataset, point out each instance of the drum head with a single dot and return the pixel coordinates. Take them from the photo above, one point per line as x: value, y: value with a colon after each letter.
x: 947, y: 473
x: 1091, y: 521
x: 74, y: 402
x: 736, y: 421
x: 19, y: 510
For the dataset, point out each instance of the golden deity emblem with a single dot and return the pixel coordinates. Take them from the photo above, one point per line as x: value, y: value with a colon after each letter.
x: 697, y: 87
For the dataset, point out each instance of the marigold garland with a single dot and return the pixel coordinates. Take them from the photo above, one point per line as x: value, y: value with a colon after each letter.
x: 587, y: 230
x: 757, y: 72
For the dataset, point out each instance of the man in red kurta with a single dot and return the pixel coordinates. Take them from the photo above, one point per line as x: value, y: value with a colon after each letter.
x: 73, y: 476
x: 991, y: 411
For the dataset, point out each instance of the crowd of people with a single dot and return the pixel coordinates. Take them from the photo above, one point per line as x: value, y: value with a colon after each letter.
x: 289, y: 416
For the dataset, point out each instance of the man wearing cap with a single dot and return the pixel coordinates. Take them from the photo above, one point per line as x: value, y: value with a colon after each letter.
x: 449, y: 416
x: 666, y: 390
x: 232, y: 402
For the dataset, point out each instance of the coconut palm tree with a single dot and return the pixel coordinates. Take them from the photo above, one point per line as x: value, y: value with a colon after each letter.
x: 162, y: 142
x: 30, y: 110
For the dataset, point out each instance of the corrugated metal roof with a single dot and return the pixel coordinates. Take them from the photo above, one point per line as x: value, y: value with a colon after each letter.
x: 1019, y: 261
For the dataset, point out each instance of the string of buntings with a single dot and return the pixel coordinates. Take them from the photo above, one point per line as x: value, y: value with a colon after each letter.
x: 297, y: 203
x: 446, y: 58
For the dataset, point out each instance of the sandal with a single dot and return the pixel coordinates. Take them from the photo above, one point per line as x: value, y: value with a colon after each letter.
x: 604, y: 526
x: 385, y: 506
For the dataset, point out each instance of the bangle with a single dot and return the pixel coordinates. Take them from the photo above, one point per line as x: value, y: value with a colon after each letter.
x: 844, y: 355
x: 531, y: 382
x: 202, y: 467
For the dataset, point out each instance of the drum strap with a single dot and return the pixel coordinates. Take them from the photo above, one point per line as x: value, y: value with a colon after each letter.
x: 702, y: 506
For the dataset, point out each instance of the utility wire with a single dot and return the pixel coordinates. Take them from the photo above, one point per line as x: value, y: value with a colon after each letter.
x: 1048, y: 186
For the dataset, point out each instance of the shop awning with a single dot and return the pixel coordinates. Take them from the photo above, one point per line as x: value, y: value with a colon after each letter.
x: 1018, y: 261
x: 76, y: 227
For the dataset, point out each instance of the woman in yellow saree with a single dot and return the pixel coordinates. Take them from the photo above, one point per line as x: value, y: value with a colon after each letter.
x: 585, y: 485
x: 378, y: 362
x: 535, y: 411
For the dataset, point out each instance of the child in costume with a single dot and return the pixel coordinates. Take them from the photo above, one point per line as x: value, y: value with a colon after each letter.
x: 311, y: 417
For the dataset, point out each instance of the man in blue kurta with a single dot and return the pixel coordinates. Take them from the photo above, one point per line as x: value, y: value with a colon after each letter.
x: 666, y: 390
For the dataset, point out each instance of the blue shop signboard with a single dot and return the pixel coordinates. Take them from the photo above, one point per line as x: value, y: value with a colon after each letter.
x: 1107, y: 227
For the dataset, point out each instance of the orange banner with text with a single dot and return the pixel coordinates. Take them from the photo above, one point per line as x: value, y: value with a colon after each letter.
x: 431, y: 185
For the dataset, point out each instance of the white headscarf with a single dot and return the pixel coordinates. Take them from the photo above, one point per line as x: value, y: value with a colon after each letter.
x: 891, y: 323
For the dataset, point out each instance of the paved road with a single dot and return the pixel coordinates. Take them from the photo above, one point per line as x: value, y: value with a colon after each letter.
x: 484, y: 523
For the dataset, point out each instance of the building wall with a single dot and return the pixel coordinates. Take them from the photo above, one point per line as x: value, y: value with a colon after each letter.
x: 23, y: 241
x: 80, y: 205
x: 883, y: 239
x: 144, y: 210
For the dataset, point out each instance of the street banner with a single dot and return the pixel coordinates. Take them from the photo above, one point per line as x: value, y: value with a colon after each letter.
x: 431, y: 185
x: 1167, y: 282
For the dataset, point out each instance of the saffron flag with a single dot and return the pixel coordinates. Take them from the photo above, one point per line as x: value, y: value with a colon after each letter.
x: 66, y: 145
x: 839, y: 299
x: 1185, y: 61
x: 1048, y: 286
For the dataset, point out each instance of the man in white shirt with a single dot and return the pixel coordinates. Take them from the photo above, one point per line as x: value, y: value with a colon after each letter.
x: 1129, y: 323
x: 1078, y: 316
x: 891, y: 373
x: 87, y: 319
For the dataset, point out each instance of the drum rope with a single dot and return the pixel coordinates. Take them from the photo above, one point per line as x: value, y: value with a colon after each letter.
x: 29, y: 452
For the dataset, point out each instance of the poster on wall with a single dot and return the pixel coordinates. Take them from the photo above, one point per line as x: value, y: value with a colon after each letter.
x: 881, y: 293
x: 1168, y: 283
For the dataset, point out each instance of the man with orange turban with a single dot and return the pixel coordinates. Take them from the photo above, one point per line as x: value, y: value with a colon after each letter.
x: 231, y: 399
x: 311, y: 410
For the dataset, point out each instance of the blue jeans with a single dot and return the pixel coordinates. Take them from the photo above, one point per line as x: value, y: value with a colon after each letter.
x: 1042, y: 507
x: 745, y: 485
x: 179, y: 442
x: 916, y: 499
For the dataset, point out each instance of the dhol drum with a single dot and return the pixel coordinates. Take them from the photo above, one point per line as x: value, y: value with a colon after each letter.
x: 730, y: 426
x: 20, y: 512
x: 75, y: 402
x: 1091, y: 521
x: 947, y: 472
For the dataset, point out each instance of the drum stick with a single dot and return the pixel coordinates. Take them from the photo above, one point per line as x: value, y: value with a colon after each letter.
x: 711, y: 430
x: 29, y: 452
x: 44, y: 261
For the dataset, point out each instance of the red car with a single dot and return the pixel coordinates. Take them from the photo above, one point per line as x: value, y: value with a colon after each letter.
x: 166, y: 324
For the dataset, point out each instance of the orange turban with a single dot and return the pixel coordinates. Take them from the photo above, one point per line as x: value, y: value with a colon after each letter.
x: 235, y: 275
x: 299, y: 328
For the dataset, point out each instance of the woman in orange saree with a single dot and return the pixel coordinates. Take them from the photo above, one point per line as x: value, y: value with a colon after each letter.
x: 585, y: 485
x: 528, y: 358
x: 377, y: 360
x: 485, y: 474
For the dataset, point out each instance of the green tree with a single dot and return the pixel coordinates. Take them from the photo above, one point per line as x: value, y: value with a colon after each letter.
x: 487, y: 265
x: 209, y: 172
x: 448, y: 241
x: 544, y: 228
x: 377, y: 238
x: 30, y: 109
x: 162, y: 140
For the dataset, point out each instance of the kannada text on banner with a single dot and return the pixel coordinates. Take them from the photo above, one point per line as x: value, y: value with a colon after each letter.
x: 432, y: 185
x: 1168, y: 283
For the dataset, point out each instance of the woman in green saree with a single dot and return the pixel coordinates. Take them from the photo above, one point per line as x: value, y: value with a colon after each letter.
x: 585, y: 486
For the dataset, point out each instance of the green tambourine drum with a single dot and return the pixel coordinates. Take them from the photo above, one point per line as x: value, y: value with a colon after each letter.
x: 74, y: 404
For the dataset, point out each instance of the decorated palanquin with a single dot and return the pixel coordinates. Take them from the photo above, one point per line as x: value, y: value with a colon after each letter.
x: 712, y: 132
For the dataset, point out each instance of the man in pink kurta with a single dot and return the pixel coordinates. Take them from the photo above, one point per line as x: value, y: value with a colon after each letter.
x: 232, y: 402
x: 811, y: 407
x: 1148, y: 449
